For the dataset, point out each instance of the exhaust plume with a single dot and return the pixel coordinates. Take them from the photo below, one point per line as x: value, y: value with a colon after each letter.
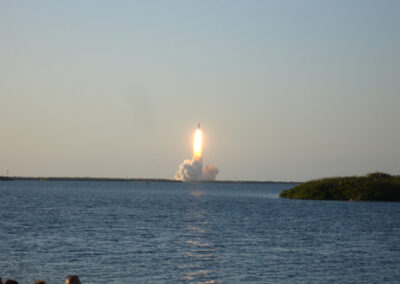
x: 192, y: 170
x: 210, y: 172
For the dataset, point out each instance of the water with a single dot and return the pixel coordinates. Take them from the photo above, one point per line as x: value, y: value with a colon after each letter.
x: 133, y: 232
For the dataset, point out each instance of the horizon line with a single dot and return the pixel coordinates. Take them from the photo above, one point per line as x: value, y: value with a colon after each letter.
x: 55, y: 178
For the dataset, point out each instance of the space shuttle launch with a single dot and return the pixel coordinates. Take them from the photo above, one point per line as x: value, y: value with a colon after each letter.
x: 193, y: 170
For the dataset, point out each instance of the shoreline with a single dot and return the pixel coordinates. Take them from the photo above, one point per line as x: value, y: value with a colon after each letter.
x: 371, y: 187
x: 147, y: 180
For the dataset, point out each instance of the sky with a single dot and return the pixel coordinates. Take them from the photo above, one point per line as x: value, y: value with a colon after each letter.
x: 284, y: 90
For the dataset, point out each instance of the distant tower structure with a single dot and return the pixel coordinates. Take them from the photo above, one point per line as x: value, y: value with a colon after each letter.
x: 7, y: 172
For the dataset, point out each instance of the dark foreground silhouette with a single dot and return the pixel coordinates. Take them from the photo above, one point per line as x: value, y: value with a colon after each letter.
x: 71, y: 279
x: 372, y: 187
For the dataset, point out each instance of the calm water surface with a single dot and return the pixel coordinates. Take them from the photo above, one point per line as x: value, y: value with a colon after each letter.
x: 133, y: 232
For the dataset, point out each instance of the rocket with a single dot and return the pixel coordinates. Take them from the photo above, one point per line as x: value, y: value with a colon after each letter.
x: 198, y: 125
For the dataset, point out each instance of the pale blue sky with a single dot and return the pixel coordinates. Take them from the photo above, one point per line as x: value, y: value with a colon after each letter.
x: 284, y: 90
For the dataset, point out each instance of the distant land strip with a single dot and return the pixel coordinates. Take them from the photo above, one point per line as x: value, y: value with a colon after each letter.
x: 5, y: 178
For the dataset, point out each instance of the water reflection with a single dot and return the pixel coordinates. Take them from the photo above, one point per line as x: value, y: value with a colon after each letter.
x: 199, y: 251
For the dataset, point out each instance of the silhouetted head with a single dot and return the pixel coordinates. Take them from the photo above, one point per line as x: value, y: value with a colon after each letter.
x: 10, y: 281
x: 39, y: 282
x: 72, y: 279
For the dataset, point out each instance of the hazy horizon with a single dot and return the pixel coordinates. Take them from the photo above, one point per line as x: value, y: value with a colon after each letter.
x: 284, y: 90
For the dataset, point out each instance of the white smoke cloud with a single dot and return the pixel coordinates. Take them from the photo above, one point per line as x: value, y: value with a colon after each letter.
x: 210, y: 172
x: 192, y: 170
x: 189, y: 170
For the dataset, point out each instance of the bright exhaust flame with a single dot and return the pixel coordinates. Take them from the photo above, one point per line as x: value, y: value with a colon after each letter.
x: 193, y: 170
x: 197, y: 145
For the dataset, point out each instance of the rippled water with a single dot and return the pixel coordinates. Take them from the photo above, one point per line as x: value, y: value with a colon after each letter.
x: 133, y: 232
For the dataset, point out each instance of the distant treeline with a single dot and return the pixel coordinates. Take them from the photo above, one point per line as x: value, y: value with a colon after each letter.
x: 374, y: 186
x: 139, y: 180
x: 89, y: 179
x: 5, y: 178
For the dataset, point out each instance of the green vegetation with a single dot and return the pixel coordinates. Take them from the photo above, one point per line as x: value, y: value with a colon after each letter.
x: 374, y: 186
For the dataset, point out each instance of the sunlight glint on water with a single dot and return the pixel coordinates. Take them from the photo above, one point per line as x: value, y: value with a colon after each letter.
x: 126, y: 232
